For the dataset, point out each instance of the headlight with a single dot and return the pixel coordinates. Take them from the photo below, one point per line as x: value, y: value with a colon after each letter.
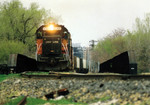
x: 51, y: 27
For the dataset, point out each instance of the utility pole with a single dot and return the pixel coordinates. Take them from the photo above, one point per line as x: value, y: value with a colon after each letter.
x: 92, y: 43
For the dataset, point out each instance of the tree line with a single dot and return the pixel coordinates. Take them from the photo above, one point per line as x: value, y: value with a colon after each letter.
x: 120, y: 40
x: 18, y: 25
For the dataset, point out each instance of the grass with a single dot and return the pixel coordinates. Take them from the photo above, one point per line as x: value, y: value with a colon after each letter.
x: 37, y: 73
x: 3, y: 76
x: 14, y: 101
x: 35, y: 101
x: 102, y: 99
x: 106, y: 98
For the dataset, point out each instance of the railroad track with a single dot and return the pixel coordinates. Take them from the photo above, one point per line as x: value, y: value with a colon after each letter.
x: 87, y: 76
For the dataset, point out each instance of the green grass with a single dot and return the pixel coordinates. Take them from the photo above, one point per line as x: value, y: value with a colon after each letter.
x: 3, y: 76
x: 14, y: 101
x: 37, y: 73
x: 34, y: 101
x: 102, y: 99
x: 106, y: 98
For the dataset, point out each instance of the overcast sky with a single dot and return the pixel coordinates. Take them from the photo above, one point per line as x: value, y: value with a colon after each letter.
x: 94, y: 19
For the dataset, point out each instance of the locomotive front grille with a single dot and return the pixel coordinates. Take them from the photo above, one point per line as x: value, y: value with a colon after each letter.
x: 51, y: 45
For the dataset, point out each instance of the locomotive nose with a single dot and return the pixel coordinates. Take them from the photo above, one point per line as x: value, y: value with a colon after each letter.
x: 52, y: 61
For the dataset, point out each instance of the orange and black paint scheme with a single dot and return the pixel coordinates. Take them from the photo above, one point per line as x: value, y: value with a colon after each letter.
x: 54, y: 48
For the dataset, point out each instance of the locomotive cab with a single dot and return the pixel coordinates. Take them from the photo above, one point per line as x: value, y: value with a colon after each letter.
x: 54, y: 47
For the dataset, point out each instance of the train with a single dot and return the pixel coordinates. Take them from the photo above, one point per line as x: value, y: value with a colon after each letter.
x: 54, y: 52
x: 54, y: 48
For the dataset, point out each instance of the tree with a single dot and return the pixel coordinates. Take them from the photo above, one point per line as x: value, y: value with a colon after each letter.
x: 19, y: 23
x: 11, y: 47
x: 137, y: 40
x: 18, y: 26
x: 111, y: 45
x: 141, y: 35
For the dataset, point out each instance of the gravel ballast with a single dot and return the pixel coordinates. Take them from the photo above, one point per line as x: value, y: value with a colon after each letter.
x: 86, y: 91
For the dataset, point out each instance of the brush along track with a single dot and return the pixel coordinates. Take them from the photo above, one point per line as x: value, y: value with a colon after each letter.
x: 87, y: 76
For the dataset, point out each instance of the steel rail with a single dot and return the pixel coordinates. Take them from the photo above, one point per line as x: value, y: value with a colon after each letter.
x: 89, y: 76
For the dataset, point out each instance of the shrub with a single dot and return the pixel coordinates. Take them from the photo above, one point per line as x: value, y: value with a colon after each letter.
x: 11, y: 47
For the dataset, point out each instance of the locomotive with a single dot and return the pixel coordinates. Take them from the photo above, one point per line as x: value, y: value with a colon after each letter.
x: 54, y: 48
